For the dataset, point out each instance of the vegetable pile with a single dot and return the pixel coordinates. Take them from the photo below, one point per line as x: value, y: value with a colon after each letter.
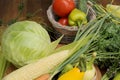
x: 68, y: 11
x: 107, y: 42
x: 27, y: 45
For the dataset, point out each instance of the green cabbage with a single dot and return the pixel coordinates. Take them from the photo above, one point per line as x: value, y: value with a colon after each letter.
x: 26, y: 41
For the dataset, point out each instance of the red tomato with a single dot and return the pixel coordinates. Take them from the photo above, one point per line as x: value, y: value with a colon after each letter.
x: 63, y: 7
x: 63, y: 21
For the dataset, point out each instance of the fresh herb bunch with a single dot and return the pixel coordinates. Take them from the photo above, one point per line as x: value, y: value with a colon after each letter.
x: 109, y: 39
x: 107, y: 43
x: 108, y: 46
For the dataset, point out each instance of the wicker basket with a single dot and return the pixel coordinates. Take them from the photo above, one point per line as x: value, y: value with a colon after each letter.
x: 68, y: 32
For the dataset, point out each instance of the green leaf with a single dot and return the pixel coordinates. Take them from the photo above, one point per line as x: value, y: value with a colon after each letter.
x: 50, y: 49
x: 3, y: 64
x: 82, y: 5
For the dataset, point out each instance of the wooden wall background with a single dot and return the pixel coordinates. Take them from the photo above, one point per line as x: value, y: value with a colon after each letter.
x: 9, y: 8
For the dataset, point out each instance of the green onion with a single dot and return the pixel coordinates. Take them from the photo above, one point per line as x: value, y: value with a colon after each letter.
x: 3, y: 65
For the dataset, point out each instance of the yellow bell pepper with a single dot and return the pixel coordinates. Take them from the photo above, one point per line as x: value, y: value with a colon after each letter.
x: 73, y: 74
x: 113, y: 9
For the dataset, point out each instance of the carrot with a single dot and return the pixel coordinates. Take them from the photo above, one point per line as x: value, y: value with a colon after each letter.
x: 43, y: 77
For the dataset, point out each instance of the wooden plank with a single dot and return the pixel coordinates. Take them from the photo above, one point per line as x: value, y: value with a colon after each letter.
x: 104, y: 2
x: 9, y: 9
x: 36, y: 5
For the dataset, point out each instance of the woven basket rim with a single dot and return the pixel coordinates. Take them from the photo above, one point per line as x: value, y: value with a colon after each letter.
x: 55, y: 24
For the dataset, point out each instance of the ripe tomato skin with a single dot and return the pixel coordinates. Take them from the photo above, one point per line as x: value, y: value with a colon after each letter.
x: 63, y: 7
x: 63, y: 21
